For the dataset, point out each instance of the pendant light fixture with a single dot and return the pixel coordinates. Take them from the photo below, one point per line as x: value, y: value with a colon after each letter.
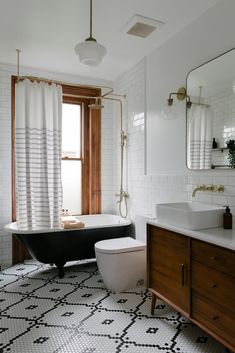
x: 90, y: 52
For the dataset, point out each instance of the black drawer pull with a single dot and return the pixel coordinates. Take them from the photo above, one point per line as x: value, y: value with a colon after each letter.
x: 182, y: 274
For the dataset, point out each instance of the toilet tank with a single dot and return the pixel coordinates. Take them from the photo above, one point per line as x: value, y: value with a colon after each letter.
x: 140, y: 228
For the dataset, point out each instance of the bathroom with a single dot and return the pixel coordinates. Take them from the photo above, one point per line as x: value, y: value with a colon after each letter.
x: 155, y: 168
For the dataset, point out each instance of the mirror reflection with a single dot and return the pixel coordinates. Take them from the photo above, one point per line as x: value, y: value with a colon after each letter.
x: 211, y: 118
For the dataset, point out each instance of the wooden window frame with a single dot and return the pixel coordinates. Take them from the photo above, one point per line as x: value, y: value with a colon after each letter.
x: 91, y: 146
x: 90, y: 149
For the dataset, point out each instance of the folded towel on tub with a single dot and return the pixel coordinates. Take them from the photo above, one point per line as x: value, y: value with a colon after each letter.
x: 73, y: 224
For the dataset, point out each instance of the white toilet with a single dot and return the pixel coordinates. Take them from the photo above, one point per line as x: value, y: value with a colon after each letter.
x: 122, y: 261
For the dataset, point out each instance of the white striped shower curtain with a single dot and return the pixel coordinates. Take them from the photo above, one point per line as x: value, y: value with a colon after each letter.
x: 199, y: 137
x: 38, y: 124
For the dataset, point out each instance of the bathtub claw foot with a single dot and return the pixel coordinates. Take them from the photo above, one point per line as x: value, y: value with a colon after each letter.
x: 60, y: 268
x: 60, y: 272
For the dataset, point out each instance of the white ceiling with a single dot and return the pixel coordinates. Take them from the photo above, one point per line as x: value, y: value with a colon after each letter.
x: 47, y: 31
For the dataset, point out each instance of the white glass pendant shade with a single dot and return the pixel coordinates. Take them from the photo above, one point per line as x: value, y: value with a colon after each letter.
x: 90, y: 52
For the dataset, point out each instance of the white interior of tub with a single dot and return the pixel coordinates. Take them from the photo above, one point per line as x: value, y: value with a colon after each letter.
x: 90, y: 221
x: 101, y: 220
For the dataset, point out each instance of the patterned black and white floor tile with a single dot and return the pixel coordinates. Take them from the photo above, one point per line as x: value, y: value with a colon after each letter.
x: 41, y: 313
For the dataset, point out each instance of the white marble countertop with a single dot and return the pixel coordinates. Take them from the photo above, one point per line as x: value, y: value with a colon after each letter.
x: 217, y: 236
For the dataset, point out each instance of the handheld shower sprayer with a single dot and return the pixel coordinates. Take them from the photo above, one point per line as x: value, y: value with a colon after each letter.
x: 123, y: 195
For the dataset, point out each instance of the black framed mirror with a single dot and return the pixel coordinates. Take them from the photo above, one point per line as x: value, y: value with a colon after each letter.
x: 211, y: 118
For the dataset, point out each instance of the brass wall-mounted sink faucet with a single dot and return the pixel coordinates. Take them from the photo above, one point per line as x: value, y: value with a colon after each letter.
x: 212, y: 188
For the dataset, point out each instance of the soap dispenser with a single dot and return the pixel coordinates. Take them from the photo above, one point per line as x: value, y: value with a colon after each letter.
x: 227, y: 218
x: 214, y: 143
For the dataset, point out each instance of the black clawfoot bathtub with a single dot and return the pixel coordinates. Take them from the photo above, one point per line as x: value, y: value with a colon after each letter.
x: 57, y: 246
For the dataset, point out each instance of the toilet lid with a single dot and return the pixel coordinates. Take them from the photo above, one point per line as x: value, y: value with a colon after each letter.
x: 119, y: 245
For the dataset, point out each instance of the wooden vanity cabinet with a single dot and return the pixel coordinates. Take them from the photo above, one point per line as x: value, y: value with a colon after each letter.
x: 168, y: 267
x: 194, y: 277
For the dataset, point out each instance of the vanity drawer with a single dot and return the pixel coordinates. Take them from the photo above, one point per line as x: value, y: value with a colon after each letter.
x: 214, y: 256
x: 213, y: 317
x: 215, y: 285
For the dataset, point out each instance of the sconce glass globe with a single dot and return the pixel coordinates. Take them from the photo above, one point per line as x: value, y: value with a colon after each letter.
x: 171, y: 112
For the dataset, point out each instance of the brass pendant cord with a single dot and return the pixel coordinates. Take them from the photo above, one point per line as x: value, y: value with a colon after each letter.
x: 119, y: 98
x: 90, y: 38
x: 90, y: 18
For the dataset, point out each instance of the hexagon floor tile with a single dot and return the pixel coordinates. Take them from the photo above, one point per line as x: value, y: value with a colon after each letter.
x: 41, y: 313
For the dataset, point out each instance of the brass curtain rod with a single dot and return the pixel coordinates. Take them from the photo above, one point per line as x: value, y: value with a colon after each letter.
x: 119, y: 98
x: 104, y: 96
x: 41, y: 79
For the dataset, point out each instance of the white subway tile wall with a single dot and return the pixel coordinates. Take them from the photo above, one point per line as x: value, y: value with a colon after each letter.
x: 144, y: 190
x: 132, y: 84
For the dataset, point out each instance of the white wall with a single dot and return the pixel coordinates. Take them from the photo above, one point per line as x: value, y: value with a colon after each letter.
x: 166, y: 69
x: 6, y: 71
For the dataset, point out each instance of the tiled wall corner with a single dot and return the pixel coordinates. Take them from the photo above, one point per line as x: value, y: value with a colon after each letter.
x: 5, y: 165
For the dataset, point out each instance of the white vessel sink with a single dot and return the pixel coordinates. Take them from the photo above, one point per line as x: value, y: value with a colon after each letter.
x: 190, y: 215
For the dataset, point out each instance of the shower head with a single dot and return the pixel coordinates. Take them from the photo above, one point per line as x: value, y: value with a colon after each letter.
x: 96, y: 105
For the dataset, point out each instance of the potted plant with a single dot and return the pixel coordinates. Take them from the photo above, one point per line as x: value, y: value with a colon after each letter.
x: 231, y: 153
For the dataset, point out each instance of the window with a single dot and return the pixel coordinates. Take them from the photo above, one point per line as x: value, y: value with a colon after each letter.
x: 81, y: 150
x: 71, y: 166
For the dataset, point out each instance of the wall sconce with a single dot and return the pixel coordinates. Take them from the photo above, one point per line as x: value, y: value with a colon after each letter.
x: 181, y: 94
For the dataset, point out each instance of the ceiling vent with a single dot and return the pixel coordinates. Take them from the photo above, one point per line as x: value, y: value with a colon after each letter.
x: 141, y: 26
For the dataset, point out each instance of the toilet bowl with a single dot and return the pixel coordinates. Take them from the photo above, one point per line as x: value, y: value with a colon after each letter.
x: 122, y: 263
